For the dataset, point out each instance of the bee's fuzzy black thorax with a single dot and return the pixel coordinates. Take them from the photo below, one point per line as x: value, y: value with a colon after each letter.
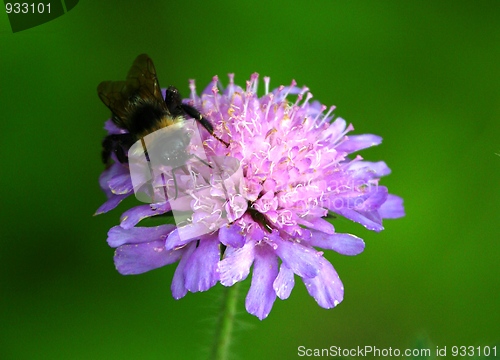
x: 146, y: 117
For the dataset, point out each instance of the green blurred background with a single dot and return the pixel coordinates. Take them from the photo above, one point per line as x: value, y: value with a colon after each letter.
x: 423, y: 74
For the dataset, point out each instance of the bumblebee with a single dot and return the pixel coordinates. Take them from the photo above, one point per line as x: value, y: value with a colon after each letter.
x: 137, y: 106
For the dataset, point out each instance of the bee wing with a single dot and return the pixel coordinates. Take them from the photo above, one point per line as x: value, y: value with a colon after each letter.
x: 143, y: 73
x: 141, y: 82
x: 115, y: 95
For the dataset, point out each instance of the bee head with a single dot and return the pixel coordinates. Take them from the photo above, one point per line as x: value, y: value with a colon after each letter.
x: 173, y: 101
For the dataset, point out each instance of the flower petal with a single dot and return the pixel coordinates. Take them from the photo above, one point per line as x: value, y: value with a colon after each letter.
x: 345, y: 244
x: 392, y: 208
x: 321, y: 225
x: 113, y: 199
x: 369, y: 219
x: 302, y: 260
x: 111, y: 128
x: 231, y: 235
x: 118, y: 236
x: 110, y: 204
x: 284, y: 282
x: 133, y: 216
x: 200, y: 272
x: 178, y: 287
x: 121, y: 184
x: 379, y: 168
x: 358, y: 142
x: 185, y: 235
x: 236, y: 264
x: 115, y: 170
x: 131, y: 259
x: 378, y: 195
x: 326, y: 288
x: 261, y: 296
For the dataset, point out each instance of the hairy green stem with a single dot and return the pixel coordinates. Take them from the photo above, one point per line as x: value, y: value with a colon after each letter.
x: 225, y: 323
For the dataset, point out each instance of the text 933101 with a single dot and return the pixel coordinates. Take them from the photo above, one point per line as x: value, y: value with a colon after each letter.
x: 25, y: 8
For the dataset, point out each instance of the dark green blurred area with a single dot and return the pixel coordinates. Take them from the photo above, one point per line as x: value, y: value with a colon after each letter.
x: 423, y: 75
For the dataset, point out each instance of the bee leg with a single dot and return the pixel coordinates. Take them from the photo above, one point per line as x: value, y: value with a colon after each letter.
x: 175, y: 184
x: 116, y: 143
x: 203, y: 161
x: 165, y: 194
x: 173, y: 100
x: 195, y: 114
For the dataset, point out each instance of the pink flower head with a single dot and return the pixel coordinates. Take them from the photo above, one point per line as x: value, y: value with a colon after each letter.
x: 295, y: 169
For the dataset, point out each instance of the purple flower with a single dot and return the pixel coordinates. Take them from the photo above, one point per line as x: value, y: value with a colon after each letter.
x: 295, y: 170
